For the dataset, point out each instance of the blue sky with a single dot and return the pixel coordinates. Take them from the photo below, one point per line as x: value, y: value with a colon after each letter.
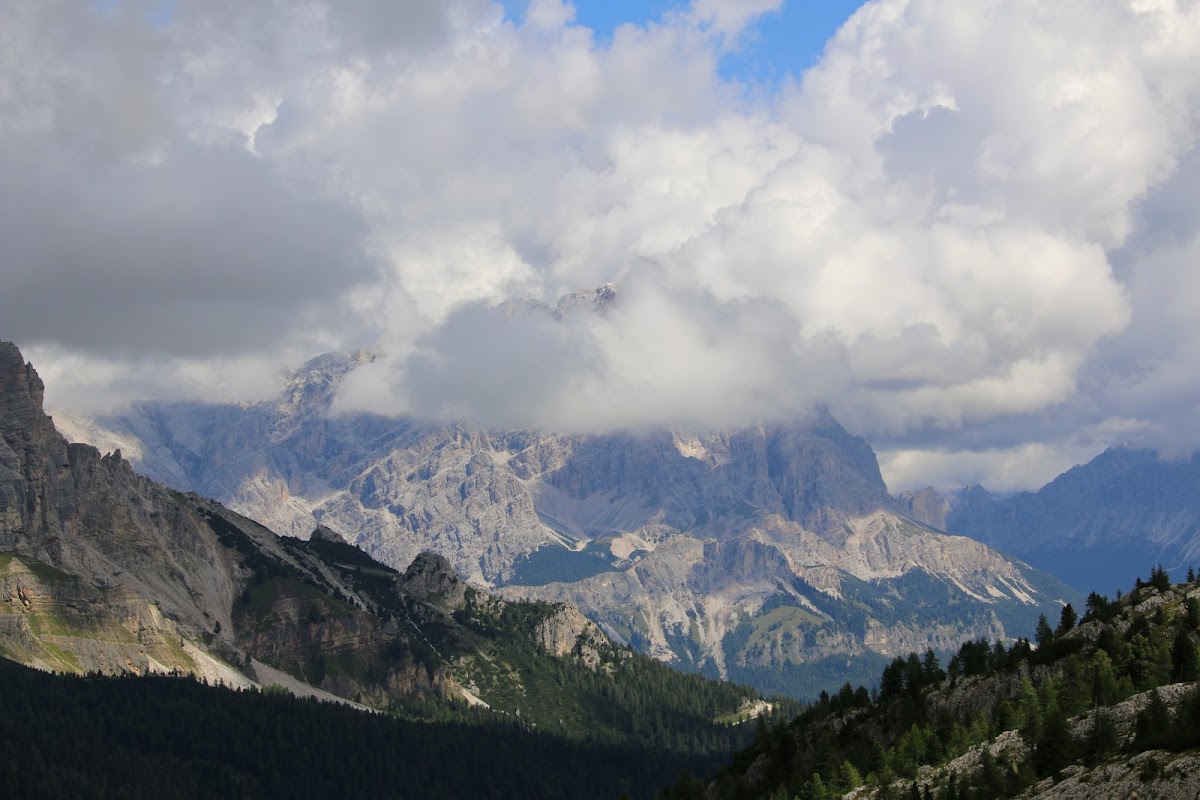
x: 782, y: 43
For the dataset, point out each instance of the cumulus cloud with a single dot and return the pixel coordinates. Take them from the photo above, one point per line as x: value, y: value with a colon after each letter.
x: 970, y: 230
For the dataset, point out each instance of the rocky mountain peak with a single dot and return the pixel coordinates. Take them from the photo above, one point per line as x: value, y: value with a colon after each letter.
x: 313, y: 385
x: 21, y: 395
x: 430, y: 577
x: 323, y: 534
x: 596, y: 301
x: 927, y: 506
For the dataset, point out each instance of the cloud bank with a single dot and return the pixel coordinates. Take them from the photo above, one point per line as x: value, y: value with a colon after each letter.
x: 971, y: 230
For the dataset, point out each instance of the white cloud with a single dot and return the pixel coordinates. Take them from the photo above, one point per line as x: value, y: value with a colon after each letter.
x: 730, y: 17
x: 967, y: 220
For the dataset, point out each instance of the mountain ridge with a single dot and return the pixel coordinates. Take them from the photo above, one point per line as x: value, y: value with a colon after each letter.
x: 104, y: 570
x: 1094, y: 524
x: 702, y: 530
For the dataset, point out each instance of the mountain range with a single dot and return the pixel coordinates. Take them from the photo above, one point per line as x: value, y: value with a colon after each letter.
x: 1099, y: 524
x: 104, y: 571
x: 771, y: 554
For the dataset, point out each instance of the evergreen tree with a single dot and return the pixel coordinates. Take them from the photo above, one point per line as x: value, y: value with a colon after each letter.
x: 1185, y: 664
x: 1159, y: 578
x: 931, y: 669
x: 1097, y: 606
x: 1067, y: 620
x: 1153, y: 724
x: 816, y: 789
x: 1105, y: 689
x: 1044, y: 634
x: 1102, y: 740
x: 1186, y: 731
x: 1054, y: 747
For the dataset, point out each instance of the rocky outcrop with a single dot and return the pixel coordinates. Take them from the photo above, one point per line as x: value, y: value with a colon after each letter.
x: 431, y: 578
x: 1156, y: 774
x: 569, y: 633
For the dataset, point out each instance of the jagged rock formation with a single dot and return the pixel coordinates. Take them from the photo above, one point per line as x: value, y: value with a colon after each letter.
x: 680, y: 542
x: 103, y: 569
x: 1101, y: 524
x: 927, y: 506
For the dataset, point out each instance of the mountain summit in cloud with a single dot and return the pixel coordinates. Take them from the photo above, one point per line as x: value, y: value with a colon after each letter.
x: 770, y: 553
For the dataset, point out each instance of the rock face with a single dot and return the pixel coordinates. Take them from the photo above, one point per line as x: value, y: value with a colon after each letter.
x: 1100, y: 525
x: 927, y: 506
x: 431, y: 578
x: 103, y: 569
x: 736, y: 551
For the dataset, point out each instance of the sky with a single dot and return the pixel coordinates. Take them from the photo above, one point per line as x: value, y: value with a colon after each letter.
x: 969, y: 230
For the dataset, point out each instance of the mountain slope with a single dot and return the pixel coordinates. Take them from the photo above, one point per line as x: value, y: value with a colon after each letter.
x: 155, y: 737
x: 1106, y: 708
x: 748, y: 553
x: 102, y: 569
x: 1095, y: 524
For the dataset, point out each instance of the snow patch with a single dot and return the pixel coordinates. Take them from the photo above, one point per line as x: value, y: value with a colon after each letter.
x: 1021, y: 595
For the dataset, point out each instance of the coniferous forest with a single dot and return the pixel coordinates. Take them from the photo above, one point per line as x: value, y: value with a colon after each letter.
x: 161, y: 736
x: 1087, y: 690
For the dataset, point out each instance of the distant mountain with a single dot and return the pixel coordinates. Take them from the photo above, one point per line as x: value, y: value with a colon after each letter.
x: 771, y: 554
x: 104, y: 570
x: 1100, y: 524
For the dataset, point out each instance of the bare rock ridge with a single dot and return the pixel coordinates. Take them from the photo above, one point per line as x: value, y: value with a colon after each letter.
x: 103, y: 569
x: 748, y: 553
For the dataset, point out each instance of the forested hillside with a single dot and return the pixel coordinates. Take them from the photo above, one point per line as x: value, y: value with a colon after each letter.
x: 158, y: 736
x: 1092, y: 707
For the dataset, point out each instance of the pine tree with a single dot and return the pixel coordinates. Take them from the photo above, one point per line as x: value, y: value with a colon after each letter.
x: 1067, y: 620
x: 1104, y: 680
x: 1153, y: 723
x: 1053, y: 748
x: 1159, y: 578
x: 1097, y: 606
x: 1102, y: 739
x: 1044, y: 634
x: 1185, y: 664
x: 931, y: 668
